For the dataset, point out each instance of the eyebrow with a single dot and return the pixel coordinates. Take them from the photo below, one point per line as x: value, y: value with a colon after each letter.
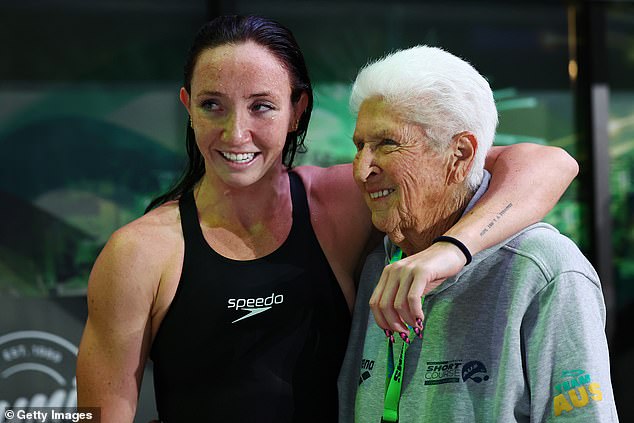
x: 262, y: 94
x: 380, y: 135
x: 210, y: 93
x: 385, y: 133
x: 219, y: 94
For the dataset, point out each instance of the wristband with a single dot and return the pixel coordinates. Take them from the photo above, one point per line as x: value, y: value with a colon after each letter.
x: 457, y: 243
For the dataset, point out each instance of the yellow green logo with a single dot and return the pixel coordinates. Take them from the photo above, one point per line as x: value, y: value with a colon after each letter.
x: 575, y: 391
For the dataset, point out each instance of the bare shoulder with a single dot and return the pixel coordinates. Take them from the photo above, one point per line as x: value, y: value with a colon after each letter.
x: 160, y: 224
x: 136, y: 258
x: 331, y: 184
x: 149, y: 237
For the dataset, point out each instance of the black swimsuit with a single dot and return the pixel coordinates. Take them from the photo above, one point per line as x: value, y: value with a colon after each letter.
x: 252, y: 341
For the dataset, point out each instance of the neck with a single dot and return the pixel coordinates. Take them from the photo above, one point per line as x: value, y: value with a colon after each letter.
x: 222, y: 205
x: 432, y: 223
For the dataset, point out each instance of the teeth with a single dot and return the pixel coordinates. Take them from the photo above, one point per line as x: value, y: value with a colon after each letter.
x: 379, y: 194
x: 239, y: 157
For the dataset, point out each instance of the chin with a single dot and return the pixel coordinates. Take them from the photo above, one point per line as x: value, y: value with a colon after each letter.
x: 391, y: 228
x: 382, y: 224
x: 378, y: 223
x: 240, y: 180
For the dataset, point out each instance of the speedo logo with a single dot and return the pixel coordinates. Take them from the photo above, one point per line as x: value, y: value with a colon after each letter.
x: 254, y: 305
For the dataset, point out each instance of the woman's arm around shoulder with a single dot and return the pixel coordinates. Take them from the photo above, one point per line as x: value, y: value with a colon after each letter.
x: 340, y: 218
x: 117, y: 337
x: 527, y: 180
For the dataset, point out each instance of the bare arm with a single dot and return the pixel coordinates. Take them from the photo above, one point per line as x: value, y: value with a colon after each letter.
x: 116, y: 339
x: 527, y: 180
x: 341, y: 220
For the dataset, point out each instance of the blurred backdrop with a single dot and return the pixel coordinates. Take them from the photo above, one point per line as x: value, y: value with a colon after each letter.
x: 91, y: 129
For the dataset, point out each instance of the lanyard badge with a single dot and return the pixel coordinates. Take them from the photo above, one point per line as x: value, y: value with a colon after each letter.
x: 394, y: 373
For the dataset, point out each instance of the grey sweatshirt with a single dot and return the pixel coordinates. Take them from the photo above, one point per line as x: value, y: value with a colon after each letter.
x: 517, y: 336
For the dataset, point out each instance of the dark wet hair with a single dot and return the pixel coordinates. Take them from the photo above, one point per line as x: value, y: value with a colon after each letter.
x: 281, y: 43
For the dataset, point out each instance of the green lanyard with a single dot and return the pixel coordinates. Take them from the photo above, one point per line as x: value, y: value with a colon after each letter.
x: 394, y: 374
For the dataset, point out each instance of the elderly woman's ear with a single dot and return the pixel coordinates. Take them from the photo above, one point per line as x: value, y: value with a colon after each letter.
x: 463, y: 148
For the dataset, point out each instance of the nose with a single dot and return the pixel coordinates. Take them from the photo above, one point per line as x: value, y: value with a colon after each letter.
x: 237, y: 128
x: 364, y: 165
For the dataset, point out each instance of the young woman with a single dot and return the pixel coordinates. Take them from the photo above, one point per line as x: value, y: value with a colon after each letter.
x: 239, y: 282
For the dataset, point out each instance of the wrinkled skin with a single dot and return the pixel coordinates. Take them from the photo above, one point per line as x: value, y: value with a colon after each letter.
x: 423, y: 187
x: 415, y: 191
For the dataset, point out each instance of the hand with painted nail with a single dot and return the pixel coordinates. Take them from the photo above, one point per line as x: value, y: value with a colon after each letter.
x: 396, y: 301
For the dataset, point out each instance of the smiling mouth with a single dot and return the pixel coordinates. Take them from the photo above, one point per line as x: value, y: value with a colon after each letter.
x: 380, y: 194
x: 240, y: 158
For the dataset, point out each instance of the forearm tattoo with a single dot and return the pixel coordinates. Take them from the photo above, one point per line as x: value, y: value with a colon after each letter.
x: 497, y: 217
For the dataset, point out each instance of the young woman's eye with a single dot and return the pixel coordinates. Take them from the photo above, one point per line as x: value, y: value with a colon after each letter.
x: 261, y: 107
x: 210, y: 105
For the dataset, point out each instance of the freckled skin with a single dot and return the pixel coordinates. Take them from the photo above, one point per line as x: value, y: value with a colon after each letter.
x: 394, y: 154
x: 240, y: 103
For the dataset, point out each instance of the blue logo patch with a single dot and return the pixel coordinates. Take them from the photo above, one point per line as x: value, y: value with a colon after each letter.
x: 474, y: 370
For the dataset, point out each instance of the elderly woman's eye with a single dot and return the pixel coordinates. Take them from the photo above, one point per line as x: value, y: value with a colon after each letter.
x: 388, y: 141
x: 359, y: 146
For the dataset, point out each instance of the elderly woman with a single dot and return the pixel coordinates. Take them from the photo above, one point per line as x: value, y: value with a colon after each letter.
x: 518, y: 334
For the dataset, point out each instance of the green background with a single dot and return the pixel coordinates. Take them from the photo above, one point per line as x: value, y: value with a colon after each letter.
x: 91, y: 126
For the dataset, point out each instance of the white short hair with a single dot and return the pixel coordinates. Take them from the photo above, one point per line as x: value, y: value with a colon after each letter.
x: 437, y: 90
